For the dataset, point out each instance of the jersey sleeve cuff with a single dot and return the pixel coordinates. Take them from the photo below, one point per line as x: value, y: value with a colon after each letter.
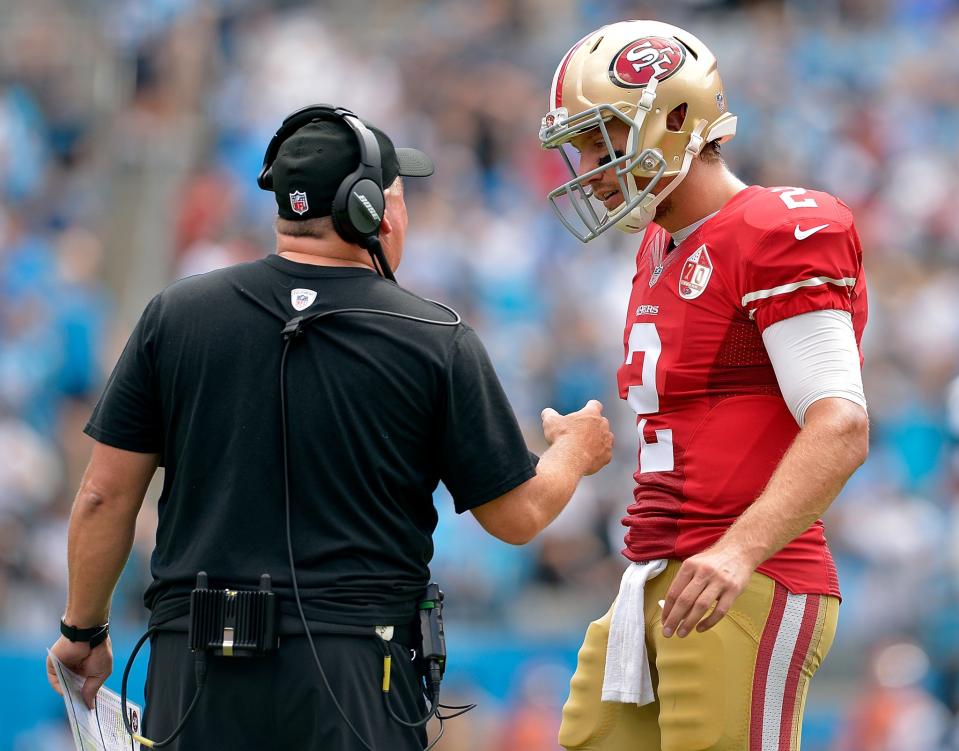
x: 471, y: 501
x: 126, y: 443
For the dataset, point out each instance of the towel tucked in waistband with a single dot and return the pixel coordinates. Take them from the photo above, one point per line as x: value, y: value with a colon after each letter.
x: 628, y: 678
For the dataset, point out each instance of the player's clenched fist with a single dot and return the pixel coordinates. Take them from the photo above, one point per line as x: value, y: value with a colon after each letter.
x: 586, y: 432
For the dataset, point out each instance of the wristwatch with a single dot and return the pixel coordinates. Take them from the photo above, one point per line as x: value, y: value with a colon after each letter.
x: 95, y: 635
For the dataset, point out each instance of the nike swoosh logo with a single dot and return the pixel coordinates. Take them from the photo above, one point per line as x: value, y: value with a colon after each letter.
x: 802, y: 234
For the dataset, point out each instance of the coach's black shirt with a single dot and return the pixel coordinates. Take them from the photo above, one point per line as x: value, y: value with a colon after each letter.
x: 379, y: 409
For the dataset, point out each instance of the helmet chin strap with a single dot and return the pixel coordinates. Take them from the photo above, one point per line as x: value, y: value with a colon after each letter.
x: 638, y: 219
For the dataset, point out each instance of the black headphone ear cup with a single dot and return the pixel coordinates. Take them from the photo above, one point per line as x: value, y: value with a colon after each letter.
x: 339, y: 213
x: 341, y: 230
x: 358, y: 210
x: 265, y: 178
x: 365, y: 205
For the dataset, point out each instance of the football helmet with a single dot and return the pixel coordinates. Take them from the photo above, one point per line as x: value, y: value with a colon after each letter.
x: 636, y: 72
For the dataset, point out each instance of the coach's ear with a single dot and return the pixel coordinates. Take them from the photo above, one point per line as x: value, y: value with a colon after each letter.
x: 393, y: 228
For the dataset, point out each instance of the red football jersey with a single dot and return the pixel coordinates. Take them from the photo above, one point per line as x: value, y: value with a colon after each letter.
x: 711, y: 419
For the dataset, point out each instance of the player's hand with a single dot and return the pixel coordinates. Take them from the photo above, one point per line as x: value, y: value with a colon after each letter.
x: 587, y: 433
x: 715, y: 577
x: 93, y: 664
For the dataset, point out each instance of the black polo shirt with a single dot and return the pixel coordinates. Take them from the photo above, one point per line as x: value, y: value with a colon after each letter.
x: 380, y: 410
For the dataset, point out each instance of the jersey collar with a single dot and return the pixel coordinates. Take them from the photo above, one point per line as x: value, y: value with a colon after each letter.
x: 680, y: 235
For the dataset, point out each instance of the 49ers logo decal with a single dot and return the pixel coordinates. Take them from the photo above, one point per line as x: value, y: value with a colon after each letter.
x: 641, y: 61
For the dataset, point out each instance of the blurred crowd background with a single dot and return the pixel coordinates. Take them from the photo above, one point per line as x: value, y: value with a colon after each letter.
x: 131, y: 132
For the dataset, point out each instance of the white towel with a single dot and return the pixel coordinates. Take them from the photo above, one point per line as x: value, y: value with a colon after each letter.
x: 627, y: 677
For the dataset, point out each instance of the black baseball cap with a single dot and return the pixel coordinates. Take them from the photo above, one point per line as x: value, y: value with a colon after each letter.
x: 312, y: 163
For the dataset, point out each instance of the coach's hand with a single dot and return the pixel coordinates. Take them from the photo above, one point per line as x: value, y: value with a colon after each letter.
x: 93, y: 664
x: 715, y: 577
x: 586, y: 432
x: 580, y: 444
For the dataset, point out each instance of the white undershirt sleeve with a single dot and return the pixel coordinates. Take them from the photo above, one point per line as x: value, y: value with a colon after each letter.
x: 815, y: 356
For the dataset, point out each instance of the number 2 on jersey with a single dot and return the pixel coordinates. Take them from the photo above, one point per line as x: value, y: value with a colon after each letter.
x: 644, y: 399
x: 788, y: 196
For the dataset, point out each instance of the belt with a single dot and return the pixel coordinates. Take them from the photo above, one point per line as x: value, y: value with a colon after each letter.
x: 289, y: 625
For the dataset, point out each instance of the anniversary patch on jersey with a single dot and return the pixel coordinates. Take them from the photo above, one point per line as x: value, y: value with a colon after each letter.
x: 641, y: 61
x: 301, y: 299
x: 695, y: 274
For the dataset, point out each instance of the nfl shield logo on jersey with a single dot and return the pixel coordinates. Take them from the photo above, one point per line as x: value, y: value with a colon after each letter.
x: 299, y: 203
x: 695, y: 274
x: 301, y: 299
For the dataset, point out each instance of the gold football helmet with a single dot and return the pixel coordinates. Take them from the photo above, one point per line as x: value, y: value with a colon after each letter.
x: 637, y: 72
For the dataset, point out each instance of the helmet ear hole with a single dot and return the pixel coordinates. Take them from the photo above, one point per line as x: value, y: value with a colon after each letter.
x: 677, y: 118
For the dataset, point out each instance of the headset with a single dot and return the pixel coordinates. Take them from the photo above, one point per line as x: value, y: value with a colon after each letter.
x: 359, y: 202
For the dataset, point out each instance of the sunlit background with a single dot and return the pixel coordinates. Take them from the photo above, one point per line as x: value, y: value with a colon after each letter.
x: 131, y: 132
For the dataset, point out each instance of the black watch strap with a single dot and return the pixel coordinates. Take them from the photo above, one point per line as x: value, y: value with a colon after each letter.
x: 95, y: 635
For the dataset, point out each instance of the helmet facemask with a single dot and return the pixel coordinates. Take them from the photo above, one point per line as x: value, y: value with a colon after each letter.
x: 590, y: 224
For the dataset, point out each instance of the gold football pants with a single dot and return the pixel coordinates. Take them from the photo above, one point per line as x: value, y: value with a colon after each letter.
x: 740, y: 686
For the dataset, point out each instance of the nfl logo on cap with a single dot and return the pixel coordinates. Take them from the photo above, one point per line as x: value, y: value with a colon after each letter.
x: 299, y: 203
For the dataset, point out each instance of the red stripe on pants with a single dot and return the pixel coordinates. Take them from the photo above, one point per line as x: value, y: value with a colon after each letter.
x: 806, y: 628
x: 766, y: 645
